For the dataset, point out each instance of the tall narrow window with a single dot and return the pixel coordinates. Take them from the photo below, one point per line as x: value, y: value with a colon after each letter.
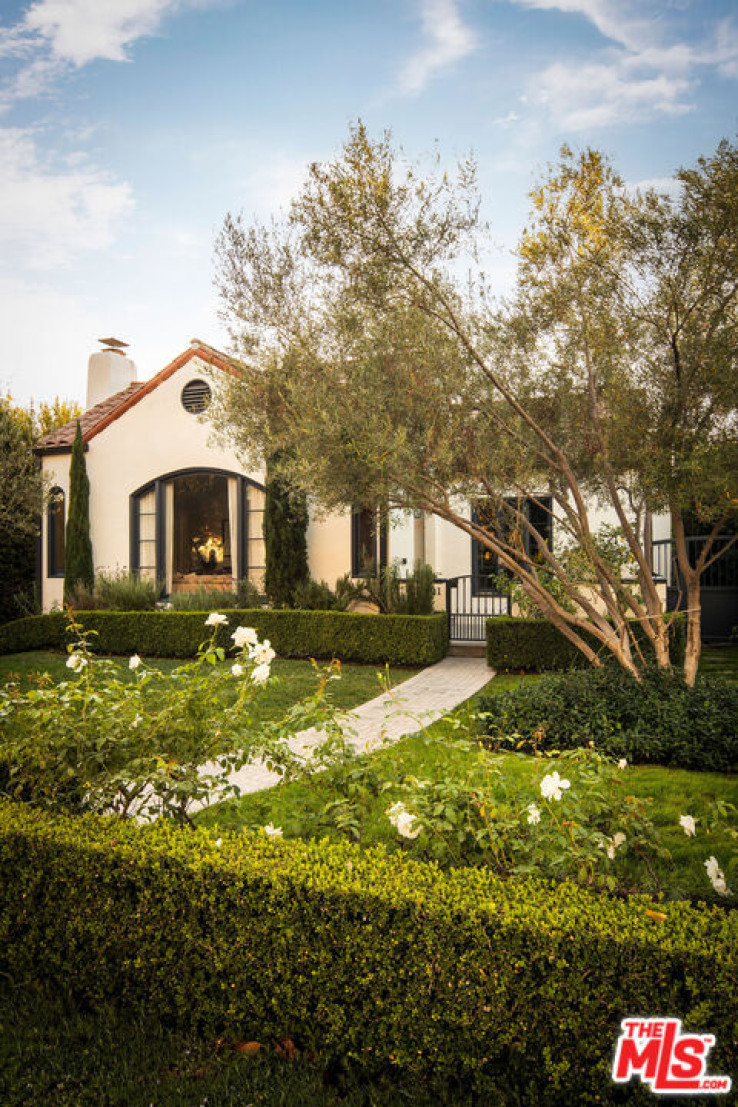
x: 146, y: 553
x: 485, y: 564
x: 55, y: 533
x: 368, y: 542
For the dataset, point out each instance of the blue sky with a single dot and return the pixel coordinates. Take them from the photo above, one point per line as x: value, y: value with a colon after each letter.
x: 128, y: 128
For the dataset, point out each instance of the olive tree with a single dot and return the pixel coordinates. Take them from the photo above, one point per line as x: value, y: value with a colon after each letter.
x: 608, y: 380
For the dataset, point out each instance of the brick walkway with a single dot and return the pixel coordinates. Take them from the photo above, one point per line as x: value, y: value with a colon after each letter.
x: 421, y: 699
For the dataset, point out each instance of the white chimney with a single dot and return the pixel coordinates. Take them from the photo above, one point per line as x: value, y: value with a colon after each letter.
x: 108, y: 371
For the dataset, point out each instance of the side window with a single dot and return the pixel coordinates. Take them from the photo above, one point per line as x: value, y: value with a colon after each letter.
x: 55, y: 532
x: 484, y: 562
x: 363, y: 542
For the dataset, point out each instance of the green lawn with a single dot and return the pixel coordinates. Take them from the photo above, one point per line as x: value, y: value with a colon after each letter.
x: 295, y: 679
x: 720, y: 661
x: 671, y: 792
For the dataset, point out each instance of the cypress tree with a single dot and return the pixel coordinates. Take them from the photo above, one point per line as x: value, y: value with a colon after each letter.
x: 78, y: 566
x: 285, y: 535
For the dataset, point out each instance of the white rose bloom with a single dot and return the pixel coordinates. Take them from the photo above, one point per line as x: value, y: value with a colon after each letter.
x: 263, y: 654
x: 534, y: 815
x: 552, y: 785
x: 687, y: 824
x: 713, y: 869
x: 219, y: 842
x: 77, y: 662
x: 136, y: 721
x: 245, y: 636
x: 622, y: 763
x: 273, y: 831
x: 215, y: 619
x: 260, y: 675
x: 237, y: 670
x: 618, y: 839
x: 403, y: 821
x: 717, y: 877
x: 134, y: 661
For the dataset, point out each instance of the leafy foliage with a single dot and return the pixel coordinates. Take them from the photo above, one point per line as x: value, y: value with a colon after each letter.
x: 206, y: 599
x: 158, y: 745
x: 511, y: 990
x: 115, y: 591
x: 20, y: 506
x: 610, y: 380
x: 313, y: 595
x: 78, y: 564
x: 658, y: 721
x: 285, y: 536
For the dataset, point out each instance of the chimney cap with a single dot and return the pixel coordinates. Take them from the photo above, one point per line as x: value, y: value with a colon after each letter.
x: 113, y: 343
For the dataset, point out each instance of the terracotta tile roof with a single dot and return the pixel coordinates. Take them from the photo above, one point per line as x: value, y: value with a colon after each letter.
x: 103, y: 414
x: 63, y: 437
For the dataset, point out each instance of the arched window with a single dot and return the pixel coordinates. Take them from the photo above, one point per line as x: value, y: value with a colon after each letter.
x: 198, y: 528
x: 55, y: 533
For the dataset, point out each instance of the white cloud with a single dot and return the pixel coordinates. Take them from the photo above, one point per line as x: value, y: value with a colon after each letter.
x: 623, y: 21
x: 48, y: 214
x: 55, y: 35
x: 506, y: 120
x: 449, y: 41
x: 78, y: 31
x: 648, y: 69
x: 600, y: 95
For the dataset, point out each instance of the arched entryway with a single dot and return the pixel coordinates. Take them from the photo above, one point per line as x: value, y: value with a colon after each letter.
x: 198, y: 528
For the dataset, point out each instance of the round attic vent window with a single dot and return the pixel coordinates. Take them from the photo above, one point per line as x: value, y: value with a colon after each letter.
x: 195, y: 396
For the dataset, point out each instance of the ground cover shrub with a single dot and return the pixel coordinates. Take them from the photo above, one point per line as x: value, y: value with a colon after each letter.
x: 391, y: 639
x: 659, y: 720
x: 535, y: 645
x: 115, y: 591
x: 213, y: 599
x: 395, y: 594
x: 313, y: 595
x: 511, y: 989
x: 155, y: 746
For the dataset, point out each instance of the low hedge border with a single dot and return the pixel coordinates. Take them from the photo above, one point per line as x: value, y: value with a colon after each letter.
x: 535, y: 645
x: 378, y: 639
x: 511, y: 989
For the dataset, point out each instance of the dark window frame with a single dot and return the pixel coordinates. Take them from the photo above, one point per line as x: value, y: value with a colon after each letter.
x: 157, y: 485
x: 363, y: 519
x: 57, y: 506
x: 480, y: 585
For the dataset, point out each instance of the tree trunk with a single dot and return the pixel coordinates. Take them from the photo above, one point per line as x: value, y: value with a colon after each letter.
x: 694, y: 632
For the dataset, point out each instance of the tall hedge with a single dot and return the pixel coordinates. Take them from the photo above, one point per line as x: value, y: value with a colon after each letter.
x: 513, y: 989
x: 78, y: 566
x: 395, y: 639
x: 285, y: 538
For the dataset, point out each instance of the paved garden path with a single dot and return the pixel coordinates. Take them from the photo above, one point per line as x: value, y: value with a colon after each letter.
x: 421, y: 699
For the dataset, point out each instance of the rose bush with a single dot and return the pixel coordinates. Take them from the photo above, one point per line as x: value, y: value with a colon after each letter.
x: 158, y: 745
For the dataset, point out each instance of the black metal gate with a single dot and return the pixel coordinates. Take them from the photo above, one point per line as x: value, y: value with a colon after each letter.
x: 468, y: 605
x: 719, y: 586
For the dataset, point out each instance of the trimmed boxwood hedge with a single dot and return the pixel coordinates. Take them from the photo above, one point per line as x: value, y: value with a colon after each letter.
x: 535, y: 645
x: 396, y: 639
x: 513, y: 989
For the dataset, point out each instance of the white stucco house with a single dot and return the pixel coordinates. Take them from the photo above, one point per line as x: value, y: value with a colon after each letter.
x: 169, y: 503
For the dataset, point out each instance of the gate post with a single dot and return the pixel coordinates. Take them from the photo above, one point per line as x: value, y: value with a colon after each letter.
x: 448, y: 607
